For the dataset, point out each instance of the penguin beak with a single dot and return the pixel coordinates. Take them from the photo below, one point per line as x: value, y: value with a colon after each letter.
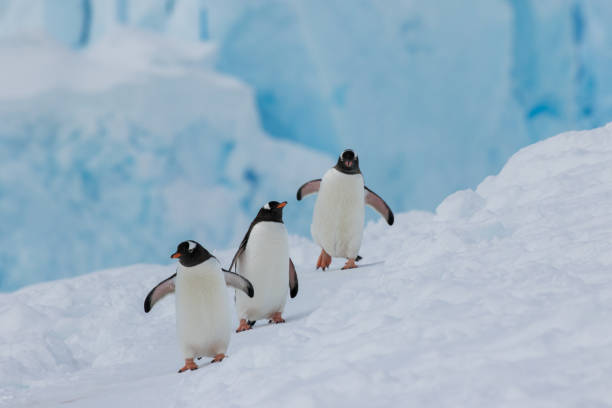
x: 348, y: 163
x: 281, y: 205
x: 175, y: 255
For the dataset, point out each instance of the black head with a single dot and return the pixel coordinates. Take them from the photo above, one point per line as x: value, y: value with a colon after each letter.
x: 190, y: 253
x: 348, y: 162
x: 271, y: 211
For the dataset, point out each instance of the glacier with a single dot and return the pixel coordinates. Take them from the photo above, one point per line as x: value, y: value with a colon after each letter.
x: 432, y: 95
x: 499, y: 297
x: 130, y: 148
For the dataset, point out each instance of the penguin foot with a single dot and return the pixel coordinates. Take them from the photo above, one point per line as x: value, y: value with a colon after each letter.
x: 218, y: 358
x: 350, y: 264
x: 244, y: 325
x: 324, y: 260
x: 277, y: 318
x: 189, y: 365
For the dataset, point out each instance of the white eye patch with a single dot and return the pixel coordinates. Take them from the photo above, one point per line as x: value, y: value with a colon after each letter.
x: 192, y: 245
x: 267, y: 206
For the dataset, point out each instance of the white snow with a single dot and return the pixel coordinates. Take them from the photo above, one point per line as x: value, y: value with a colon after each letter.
x: 501, y: 298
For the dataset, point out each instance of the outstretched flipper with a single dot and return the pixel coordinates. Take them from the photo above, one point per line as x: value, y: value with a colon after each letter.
x: 308, y: 188
x: 158, y: 292
x: 293, y: 280
x: 238, y: 282
x: 374, y: 201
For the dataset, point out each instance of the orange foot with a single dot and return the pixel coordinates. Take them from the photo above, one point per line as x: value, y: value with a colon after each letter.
x: 324, y: 260
x: 244, y: 325
x: 350, y: 264
x: 189, y: 365
x: 277, y: 318
x: 218, y: 358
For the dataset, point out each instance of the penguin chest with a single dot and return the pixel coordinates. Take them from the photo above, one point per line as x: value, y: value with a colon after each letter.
x: 339, y: 213
x: 265, y: 262
x: 203, y: 310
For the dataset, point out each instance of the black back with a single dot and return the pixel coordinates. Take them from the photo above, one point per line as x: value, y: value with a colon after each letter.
x: 272, y: 213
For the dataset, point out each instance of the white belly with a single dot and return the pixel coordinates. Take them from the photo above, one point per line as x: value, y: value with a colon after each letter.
x: 203, y: 310
x: 265, y: 263
x: 339, y: 213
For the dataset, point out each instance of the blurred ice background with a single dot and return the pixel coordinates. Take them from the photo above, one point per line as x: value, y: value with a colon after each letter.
x: 127, y: 126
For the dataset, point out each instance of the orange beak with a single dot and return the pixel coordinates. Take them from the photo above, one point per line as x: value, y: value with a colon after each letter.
x: 175, y: 255
x: 281, y: 205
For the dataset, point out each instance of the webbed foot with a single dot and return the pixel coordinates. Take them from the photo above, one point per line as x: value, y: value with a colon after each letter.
x: 189, y: 365
x: 324, y: 260
x: 244, y: 325
x: 218, y: 358
x: 277, y: 318
x: 350, y: 264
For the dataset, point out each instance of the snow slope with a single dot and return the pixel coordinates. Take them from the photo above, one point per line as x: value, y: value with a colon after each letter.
x: 501, y: 298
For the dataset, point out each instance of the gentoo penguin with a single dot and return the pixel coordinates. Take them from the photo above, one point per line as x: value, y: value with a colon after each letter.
x: 337, y: 221
x: 203, y: 308
x: 263, y: 258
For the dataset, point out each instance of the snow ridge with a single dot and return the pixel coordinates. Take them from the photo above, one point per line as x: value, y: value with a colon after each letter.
x: 499, y: 298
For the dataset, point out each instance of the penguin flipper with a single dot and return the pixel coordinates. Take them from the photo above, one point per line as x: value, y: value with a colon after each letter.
x: 158, y: 292
x: 373, y: 200
x: 293, y: 280
x: 238, y: 282
x: 308, y: 188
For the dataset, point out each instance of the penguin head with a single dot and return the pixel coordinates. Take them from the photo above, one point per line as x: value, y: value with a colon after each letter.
x: 190, y: 253
x: 348, y: 162
x: 271, y: 211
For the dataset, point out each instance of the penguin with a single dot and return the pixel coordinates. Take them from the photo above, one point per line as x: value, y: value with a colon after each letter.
x: 263, y: 258
x: 339, y: 212
x: 203, y: 307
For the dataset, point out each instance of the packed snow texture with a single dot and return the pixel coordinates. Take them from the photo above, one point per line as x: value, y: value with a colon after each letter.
x: 501, y: 297
x: 432, y: 95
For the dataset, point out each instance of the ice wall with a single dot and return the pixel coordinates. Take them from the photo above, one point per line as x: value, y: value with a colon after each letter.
x: 554, y: 75
x: 433, y: 95
x: 437, y: 93
x: 126, y: 150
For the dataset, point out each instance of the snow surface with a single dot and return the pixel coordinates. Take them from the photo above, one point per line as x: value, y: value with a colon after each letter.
x: 501, y: 298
